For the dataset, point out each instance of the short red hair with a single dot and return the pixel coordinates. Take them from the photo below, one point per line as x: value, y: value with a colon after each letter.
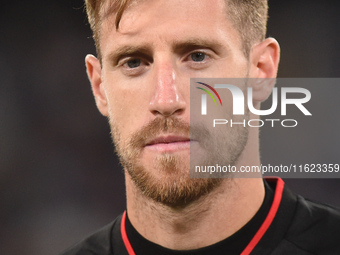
x: 249, y: 17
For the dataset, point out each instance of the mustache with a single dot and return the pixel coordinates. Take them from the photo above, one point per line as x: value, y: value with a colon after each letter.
x: 163, y: 125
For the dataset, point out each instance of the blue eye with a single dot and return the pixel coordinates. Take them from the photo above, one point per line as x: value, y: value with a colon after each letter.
x: 198, y: 56
x: 134, y: 63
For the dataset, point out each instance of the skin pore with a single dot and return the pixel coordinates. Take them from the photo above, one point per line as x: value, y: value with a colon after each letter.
x: 145, y: 75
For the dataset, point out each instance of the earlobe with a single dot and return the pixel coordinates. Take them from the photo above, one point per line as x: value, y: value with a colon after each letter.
x: 264, y: 59
x: 93, y: 69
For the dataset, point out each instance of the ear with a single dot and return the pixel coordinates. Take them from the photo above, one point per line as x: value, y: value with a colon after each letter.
x: 264, y: 60
x: 94, y: 71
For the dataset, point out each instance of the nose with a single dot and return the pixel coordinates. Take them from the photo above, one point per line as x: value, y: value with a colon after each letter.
x: 167, y: 98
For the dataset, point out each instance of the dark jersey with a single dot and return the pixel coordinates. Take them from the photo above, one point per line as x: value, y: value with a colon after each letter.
x: 285, y: 224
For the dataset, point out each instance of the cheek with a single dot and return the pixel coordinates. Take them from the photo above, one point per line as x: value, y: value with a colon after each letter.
x: 126, y: 109
x: 237, y: 67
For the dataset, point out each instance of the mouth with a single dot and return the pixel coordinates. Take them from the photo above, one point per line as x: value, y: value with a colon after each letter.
x: 168, y: 143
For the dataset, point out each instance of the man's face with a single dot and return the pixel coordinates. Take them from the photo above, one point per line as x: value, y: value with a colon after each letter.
x: 146, y: 69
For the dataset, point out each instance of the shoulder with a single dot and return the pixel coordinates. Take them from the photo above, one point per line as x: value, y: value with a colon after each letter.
x: 99, y: 242
x: 301, y: 226
x: 315, y: 227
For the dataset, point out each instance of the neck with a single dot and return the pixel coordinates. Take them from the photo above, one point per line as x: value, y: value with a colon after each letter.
x: 206, y: 221
x: 213, y: 218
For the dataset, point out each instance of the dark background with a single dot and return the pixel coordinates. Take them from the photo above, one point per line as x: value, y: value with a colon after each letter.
x: 59, y: 178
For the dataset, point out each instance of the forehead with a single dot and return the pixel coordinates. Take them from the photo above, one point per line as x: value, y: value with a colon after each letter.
x: 156, y: 21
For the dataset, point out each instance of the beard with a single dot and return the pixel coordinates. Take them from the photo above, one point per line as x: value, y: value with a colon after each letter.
x: 167, y: 180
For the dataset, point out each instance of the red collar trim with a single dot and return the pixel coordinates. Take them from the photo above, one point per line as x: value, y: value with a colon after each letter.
x: 257, y: 237
x: 125, y: 237
x: 270, y: 217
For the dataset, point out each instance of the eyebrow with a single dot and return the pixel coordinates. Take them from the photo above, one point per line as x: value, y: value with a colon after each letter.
x: 178, y: 47
x: 195, y: 43
x: 129, y: 50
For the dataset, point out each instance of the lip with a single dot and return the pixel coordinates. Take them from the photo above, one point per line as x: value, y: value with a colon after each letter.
x: 168, y: 143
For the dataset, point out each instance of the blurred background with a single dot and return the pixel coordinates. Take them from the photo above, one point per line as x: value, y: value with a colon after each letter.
x: 59, y: 177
